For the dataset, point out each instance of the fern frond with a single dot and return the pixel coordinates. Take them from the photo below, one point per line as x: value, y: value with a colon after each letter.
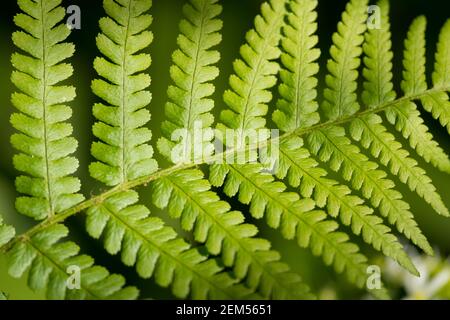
x: 406, y: 117
x: 414, y: 80
x: 6, y: 232
x: 334, y: 148
x: 298, y: 108
x: 304, y: 173
x: 378, y: 86
x: 44, y: 139
x: 407, y: 120
x: 224, y: 258
x: 340, y: 94
x: 441, y: 75
x: 283, y: 209
x: 374, y: 136
x: 438, y: 103
x: 296, y: 218
x: 123, y: 150
x: 49, y: 260
x: 187, y: 195
x: 156, y: 250
x: 254, y: 73
x: 192, y: 72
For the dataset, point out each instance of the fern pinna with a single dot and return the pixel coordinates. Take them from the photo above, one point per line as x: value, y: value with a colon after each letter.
x: 342, y: 150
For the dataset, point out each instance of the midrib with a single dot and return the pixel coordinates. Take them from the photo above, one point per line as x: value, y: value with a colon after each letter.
x: 123, y: 96
x: 44, y: 108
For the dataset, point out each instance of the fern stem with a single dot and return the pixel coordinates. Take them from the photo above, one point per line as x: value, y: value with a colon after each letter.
x: 168, y: 171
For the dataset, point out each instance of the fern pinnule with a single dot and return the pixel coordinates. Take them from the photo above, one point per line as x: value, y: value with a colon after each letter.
x: 254, y: 73
x: 6, y: 232
x: 123, y: 150
x: 378, y: 86
x: 192, y: 72
x: 340, y: 94
x: 44, y: 139
x: 298, y: 108
x: 414, y: 80
x: 441, y: 75
x: 49, y: 260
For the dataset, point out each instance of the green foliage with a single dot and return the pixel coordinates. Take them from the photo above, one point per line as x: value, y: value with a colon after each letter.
x: 192, y: 73
x: 123, y: 150
x: 378, y: 87
x: 156, y: 250
x: 47, y: 260
x: 188, y: 196
x: 335, y: 181
x: 255, y: 72
x: 437, y: 102
x: 405, y: 116
x: 44, y: 137
x: 340, y: 94
x: 298, y: 108
x: 6, y: 232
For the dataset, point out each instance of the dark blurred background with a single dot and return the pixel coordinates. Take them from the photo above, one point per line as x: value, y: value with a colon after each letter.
x: 238, y: 18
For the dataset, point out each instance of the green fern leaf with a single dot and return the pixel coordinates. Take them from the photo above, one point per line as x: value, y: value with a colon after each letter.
x: 298, y: 107
x: 189, y: 107
x: 330, y: 181
x: 414, y: 81
x: 441, y: 76
x: 438, y: 103
x: 406, y: 117
x: 303, y: 172
x: 254, y: 73
x: 378, y: 86
x: 296, y: 218
x: 44, y: 140
x: 48, y: 261
x: 188, y: 196
x: 340, y: 94
x: 374, y: 136
x: 156, y: 250
x: 407, y: 120
x: 284, y: 210
x: 123, y: 152
x: 370, y: 131
x: 335, y: 149
x: 6, y: 232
